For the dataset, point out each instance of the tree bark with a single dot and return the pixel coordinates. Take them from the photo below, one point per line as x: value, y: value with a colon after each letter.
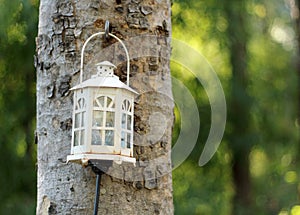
x: 145, y: 27
x: 240, y: 106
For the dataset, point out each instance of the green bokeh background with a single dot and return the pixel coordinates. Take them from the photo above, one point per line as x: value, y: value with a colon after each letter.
x: 270, y: 132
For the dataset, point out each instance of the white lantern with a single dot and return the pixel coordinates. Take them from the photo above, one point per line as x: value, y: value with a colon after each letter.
x: 103, y: 115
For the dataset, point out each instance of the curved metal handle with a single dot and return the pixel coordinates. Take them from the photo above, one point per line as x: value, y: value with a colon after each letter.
x: 97, y: 34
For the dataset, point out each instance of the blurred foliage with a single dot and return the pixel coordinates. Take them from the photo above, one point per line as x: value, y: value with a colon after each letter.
x: 18, y: 29
x: 272, y: 84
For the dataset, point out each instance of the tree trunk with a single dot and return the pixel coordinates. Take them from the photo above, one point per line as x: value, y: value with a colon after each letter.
x: 240, y: 104
x: 63, y: 27
x: 296, y: 11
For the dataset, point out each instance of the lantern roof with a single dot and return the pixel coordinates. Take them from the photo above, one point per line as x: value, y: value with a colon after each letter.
x: 106, y: 82
x: 106, y: 63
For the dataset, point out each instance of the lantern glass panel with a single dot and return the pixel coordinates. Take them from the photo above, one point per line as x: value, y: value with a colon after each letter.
x: 128, y: 140
x: 123, y: 120
x: 76, y: 138
x: 98, y: 118
x: 109, y: 137
x: 77, y: 120
x: 128, y: 122
x: 82, y: 119
x: 81, y: 138
x: 96, y: 137
x: 103, y: 121
x: 81, y: 103
x: 126, y: 105
x: 110, y: 103
x: 99, y: 102
x: 123, y: 139
x: 110, y: 119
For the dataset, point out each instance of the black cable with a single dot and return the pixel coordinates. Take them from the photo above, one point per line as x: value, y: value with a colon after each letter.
x: 96, y: 202
x: 99, y: 168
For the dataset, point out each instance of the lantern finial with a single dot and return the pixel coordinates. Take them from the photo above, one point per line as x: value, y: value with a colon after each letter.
x: 105, y: 69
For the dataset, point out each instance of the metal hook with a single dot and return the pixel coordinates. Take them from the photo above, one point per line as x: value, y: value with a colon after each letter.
x: 106, y: 29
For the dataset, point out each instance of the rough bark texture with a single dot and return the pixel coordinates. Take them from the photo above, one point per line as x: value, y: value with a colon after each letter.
x: 63, y: 27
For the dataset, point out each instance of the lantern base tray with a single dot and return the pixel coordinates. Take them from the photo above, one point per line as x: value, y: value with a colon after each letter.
x: 84, y: 158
